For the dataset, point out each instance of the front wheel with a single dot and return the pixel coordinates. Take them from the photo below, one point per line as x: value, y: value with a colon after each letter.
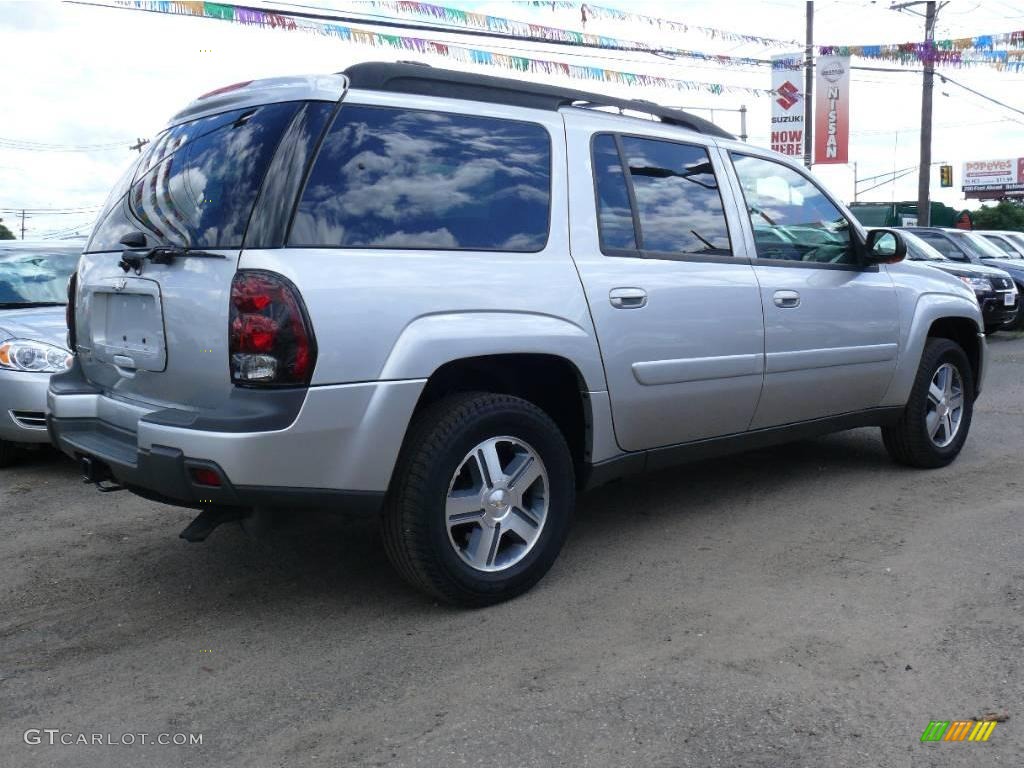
x: 480, y: 503
x: 937, y: 417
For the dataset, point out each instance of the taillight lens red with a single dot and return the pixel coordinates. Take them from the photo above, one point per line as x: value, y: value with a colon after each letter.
x: 271, y: 341
x: 69, y: 311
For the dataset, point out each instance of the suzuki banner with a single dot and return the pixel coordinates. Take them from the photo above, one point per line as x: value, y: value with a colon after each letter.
x: 788, y: 104
x: 832, y: 112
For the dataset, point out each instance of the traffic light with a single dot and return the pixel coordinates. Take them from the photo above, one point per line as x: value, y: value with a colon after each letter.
x: 946, y: 175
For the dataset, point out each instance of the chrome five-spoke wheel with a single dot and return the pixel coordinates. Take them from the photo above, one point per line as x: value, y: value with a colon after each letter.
x: 945, y: 405
x: 497, y: 504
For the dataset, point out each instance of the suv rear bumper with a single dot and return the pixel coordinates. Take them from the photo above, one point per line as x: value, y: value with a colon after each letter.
x: 338, y: 449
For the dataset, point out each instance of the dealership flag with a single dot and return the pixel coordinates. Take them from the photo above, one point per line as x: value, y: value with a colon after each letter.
x: 832, y: 112
x: 788, y: 104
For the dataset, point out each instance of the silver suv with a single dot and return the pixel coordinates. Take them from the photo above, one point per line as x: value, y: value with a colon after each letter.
x: 455, y: 300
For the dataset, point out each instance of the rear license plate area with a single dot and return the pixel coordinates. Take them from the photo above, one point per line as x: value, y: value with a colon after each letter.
x: 128, y: 325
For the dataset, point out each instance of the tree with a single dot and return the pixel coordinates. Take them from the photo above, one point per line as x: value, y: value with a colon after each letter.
x: 5, y: 233
x: 1005, y: 215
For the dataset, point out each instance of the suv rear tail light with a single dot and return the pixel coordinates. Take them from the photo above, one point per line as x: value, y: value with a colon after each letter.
x: 270, y: 338
x: 69, y: 310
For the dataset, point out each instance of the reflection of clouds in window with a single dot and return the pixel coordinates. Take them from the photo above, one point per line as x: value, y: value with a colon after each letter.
x: 439, y: 238
x: 386, y: 176
x: 614, y: 212
x: 677, y: 197
x: 202, y: 192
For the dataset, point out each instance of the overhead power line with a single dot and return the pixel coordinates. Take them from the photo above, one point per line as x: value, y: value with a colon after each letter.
x: 38, y: 146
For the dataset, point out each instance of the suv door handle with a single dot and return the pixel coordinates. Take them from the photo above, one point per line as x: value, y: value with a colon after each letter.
x: 787, y: 299
x: 627, y: 298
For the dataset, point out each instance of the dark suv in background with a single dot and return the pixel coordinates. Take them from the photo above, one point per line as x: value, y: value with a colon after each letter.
x: 999, y: 301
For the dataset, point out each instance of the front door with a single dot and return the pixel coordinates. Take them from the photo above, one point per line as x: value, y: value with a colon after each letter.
x: 678, y: 318
x: 831, y: 323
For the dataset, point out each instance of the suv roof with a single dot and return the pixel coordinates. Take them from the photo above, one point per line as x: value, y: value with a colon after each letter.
x: 425, y: 80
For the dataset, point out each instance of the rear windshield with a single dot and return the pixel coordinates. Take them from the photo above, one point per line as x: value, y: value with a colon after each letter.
x: 196, y: 185
x: 31, y: 277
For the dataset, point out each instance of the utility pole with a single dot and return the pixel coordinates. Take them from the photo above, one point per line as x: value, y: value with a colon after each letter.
x: 743, y: 122
x: 924, y: 207
x: 139, y: 144
x: 809, y: 85
x: 22, y: 223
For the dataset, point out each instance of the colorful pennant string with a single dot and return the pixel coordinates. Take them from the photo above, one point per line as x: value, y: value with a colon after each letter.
x: 1004, y: 50
x: 467, y: 55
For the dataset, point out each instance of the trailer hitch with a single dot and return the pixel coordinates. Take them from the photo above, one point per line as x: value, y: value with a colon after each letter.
x: 97, y: 473
x: 209, y: 519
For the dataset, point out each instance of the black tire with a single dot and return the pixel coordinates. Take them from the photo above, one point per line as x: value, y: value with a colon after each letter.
x: 907, y: 440
x: 7, y: 453
x: 413, y: 526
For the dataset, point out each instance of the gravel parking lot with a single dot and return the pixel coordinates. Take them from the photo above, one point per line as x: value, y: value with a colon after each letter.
x: 810, y: 605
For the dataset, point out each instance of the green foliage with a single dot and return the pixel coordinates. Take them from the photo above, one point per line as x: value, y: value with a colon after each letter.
x: 1005, y: 215
x: 5, y: 233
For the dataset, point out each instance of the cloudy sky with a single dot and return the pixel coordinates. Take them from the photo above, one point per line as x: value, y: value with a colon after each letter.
x: 92, y: 77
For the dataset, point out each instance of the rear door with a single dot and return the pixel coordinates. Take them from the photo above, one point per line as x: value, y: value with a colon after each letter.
x: 831, y: 324
x: 678, y: 315
x: 158, y: 334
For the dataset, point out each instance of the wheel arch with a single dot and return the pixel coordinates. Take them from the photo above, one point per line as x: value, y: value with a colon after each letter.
x: 943, y: 316
x: 551, y: 382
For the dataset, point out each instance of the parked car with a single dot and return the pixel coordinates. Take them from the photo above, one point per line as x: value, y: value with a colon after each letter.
x: 454, y: 300
x: 1010, y: 243
x: 978, y: 276
x: 33, y: 335
x: 1001, y: 305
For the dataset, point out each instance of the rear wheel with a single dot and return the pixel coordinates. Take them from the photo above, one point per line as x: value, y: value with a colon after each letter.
x: 480, y: 503
x: 937, y: 417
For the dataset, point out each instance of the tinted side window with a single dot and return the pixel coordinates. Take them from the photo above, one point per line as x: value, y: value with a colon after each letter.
x: 396, y: 178
x: 614, y: 212
x: 677, y: 198
x: 792, y: 219
x: 942, y: 244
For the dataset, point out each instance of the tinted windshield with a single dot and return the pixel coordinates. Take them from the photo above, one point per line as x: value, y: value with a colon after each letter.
x: 977, y: 245
x: 1006, y: 245
x: 197, y: 184
x: 33, y: 277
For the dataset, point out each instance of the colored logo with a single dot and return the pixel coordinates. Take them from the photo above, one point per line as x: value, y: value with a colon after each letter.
x: 958, y: 730
x: 788, y: 94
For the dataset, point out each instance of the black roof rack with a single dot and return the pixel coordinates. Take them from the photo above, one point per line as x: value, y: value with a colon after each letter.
x: 424, y: 80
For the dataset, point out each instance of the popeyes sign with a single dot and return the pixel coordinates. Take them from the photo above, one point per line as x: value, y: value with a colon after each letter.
x: 994, y: 175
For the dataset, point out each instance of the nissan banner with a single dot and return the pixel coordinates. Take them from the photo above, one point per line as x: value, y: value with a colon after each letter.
x: 832, y: 111
x: 788, y: 104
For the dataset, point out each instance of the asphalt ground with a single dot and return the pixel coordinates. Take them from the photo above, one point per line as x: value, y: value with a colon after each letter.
x: 809, y: 605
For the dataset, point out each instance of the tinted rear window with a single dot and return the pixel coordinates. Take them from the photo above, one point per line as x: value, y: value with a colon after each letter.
x: 196, y: 185
x: 397, y: 178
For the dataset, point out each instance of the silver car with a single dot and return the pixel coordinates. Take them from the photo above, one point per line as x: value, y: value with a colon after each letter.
x: 33, y: 335
x: 453, y: 301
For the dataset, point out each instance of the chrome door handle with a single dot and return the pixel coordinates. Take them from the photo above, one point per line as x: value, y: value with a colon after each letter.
x: 627, y: 298
x: 787, y: 299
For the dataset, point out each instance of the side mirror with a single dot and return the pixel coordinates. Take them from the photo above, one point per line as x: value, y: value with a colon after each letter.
x: 884, y: 246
